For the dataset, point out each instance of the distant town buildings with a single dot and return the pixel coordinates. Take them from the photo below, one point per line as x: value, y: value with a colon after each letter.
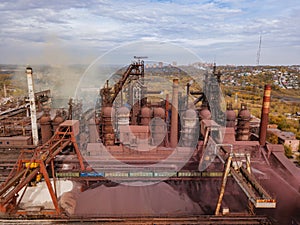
x: 286, y: 77
x: 283, y: 137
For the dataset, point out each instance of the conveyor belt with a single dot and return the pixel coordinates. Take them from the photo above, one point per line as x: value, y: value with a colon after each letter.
x: 27, y: 170
x: 254, y: 191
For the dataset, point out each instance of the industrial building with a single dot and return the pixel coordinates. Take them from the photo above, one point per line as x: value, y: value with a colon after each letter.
x: 138, y: 157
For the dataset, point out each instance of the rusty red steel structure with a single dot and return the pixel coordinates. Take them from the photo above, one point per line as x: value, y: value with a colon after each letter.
x: 115, y: 123
x: 174, y: 115
x: 27, y: 169
x: 109, y: 94
x: 243, y: 125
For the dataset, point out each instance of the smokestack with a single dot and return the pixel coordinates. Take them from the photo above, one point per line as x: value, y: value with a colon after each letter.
x: 265, y: 115
x: 35, y: 137
x: 174, y: 116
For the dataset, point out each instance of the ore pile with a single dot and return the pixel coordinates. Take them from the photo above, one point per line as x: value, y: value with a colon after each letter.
x: 155, y: 200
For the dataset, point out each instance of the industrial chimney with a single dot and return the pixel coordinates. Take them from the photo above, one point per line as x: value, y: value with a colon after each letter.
x: 35, y: 137
x: 174, y: 115
x: 265, y: 115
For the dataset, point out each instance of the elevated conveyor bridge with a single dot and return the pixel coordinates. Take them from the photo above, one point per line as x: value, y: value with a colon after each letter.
x: 31, y: 169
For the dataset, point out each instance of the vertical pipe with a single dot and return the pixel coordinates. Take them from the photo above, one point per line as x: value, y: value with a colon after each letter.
x: 265, y: 115
x: 4, y: 90
x: 167, y: 107
x: 187, y: 94
x: 174, y: 116
x: 34, y: 128
x: 167, y: 144
x: 144, y: 88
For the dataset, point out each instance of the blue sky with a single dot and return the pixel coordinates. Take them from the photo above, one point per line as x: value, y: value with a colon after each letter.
x: 227, y: 31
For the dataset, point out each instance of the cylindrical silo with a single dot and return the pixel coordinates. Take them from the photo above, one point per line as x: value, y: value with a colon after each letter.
x: 158, y: 127
x: 230, y: 116
x: 108, y: 134
x: 243, y: 126
x: 190, y: 123
x: 146, y: 115
x: 58, y: 119
x: 46, y: 129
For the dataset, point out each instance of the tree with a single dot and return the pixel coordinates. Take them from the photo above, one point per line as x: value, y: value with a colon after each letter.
x: 272, y: 138
x: 288, y: 151
x: 298, y: 159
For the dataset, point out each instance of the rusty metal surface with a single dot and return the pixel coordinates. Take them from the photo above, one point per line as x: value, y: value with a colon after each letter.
x: 243, y: 124
x: 174, y: 115
x: 201, y: 192
x: 23, y: 173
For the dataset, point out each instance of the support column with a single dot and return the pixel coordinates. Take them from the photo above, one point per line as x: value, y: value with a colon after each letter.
x: 223, y: 185
x: 174, y: 116
x: 50, y: 188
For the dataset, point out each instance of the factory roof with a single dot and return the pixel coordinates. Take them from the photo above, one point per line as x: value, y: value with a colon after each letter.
x: 284, y: 135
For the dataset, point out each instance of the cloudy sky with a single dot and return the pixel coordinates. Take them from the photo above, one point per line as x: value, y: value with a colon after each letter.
x: 76, y: 31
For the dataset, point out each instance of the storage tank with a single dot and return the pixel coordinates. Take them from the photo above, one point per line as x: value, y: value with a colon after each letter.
x: 93, y: 134
x: 243, y: 126
x: 230, y: 116
x: 46, y: 129
x: 58, y: 119
x: 158, y: 127
x: 108, y: 134
x: 123, y: 131
x: 146, y: 115
x: 204, y: 113
x: 190, y: 123
x: 123, y: 114
x: 159, y: 112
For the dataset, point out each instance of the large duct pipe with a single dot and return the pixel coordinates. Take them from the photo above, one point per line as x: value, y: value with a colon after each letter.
x: 35, y: 137
x: 174, y: 115
x: 265, y: 115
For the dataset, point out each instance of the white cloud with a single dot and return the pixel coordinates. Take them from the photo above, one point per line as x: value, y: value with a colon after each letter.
x: 90, y: 27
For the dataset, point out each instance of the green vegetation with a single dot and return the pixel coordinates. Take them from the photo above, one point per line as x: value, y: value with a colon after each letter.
x: 288, y: 151
x: 298, y: 160
x: 272, y: 138
x: 279, y: 111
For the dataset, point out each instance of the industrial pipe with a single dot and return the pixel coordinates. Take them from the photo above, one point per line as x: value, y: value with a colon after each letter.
x: 265, y: 115
x: 174, y: 115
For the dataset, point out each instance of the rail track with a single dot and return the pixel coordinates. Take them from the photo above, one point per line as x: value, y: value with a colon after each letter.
x: 205, y: 219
